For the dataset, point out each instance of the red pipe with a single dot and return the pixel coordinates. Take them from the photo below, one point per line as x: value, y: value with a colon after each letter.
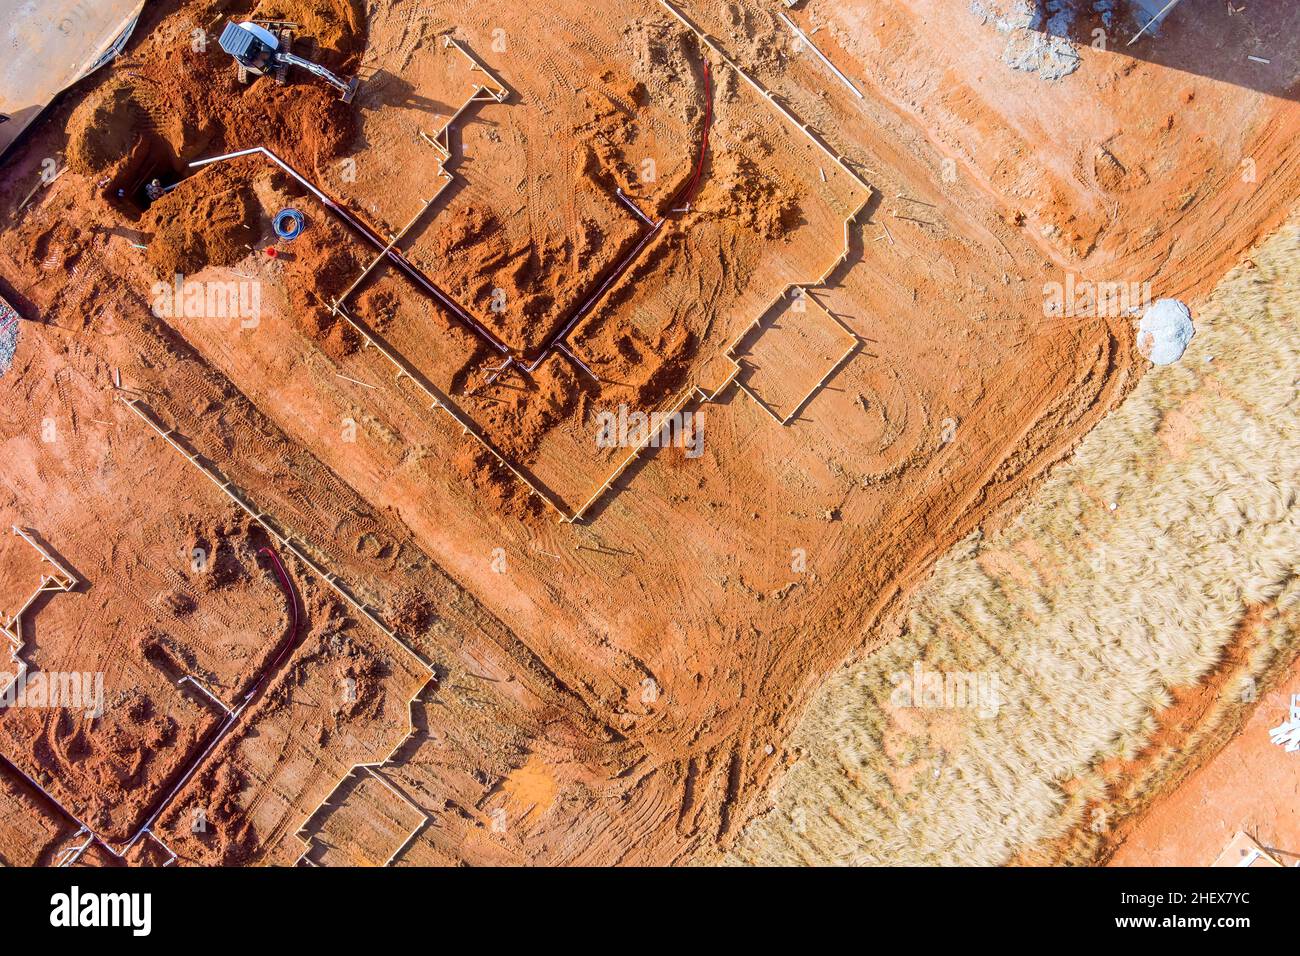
x: 293, y: 610
x: 689, y: 192
x: 220, y: 732
x: 233, y: 716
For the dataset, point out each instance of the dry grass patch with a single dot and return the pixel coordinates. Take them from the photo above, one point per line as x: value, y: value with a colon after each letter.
x: 1173, y: 530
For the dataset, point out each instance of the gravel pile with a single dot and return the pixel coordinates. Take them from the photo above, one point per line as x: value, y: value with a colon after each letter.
x: 9, y: 324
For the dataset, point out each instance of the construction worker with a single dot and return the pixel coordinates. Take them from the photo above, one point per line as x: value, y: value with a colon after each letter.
x: 155, y: 191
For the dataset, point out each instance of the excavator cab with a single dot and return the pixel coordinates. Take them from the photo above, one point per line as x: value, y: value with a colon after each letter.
x: 265, y: 47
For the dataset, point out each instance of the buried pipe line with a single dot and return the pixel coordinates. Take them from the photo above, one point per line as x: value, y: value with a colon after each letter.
x: 292, y: 595
x: 688, y: 193
x: 417, y: 276
x: 94, y: 837
x: 595, y: 297
x: 232, y: 717
x: 72, y: 854
x: 618, y: 191
x: 357, y: 225
x: 386, y: 249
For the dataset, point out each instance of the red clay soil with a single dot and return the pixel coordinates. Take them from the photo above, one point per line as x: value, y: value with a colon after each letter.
x: 620, y: 688
x: 1251, y: 785
x: 206, y: 220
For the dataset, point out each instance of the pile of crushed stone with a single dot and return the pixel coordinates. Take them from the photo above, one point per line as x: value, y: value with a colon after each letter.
x: 1041, y: 33
x: 1164, y: 331
x: 8, y: 335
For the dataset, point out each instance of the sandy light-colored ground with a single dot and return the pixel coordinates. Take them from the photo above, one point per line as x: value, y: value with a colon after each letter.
x: 619, y: 689
x: 1140, y: 612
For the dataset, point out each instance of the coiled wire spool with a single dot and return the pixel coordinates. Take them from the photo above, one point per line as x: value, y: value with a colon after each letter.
x: 289, y: 224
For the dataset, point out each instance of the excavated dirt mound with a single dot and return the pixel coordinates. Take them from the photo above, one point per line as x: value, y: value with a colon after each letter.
x: 307, y: 126
x: 473, y: 463
x: 523, y: 413
x: 336, y: 26
x: 226, y: 834
x: 131, y: 121
x: 184, y: 104
x: 104, y: 128
x: 652, y: 362
x: 206, y: 221
x: 743, y: 192
x: 608, y: 134
x: 317, y: 267
x: 524, y: 290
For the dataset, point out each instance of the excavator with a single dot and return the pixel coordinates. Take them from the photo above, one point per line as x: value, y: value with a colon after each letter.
x: 265, y: 47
